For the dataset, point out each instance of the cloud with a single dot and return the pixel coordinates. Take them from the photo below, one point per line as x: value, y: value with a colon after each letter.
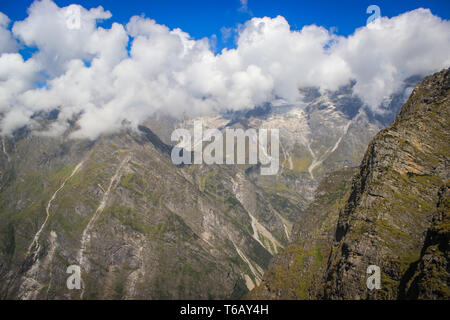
x: 124, y: 74
x: 47, y: 28
x: 16, y: 77
x: 7, y: 42
x: 414, y: 43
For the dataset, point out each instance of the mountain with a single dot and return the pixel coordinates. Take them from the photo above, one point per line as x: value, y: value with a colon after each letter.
x: 298, y: 272
x: 393, y: 214
x: 140, y: 227
x: 323, y: 132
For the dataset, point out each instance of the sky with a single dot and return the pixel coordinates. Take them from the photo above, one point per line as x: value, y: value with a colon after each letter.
x: 205, y: 18
x: 109, y: 61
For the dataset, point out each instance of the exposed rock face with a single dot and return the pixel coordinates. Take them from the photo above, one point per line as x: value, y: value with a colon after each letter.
x: 137, y: 225
x: 299, y: 272
x: 428, y: 278
x: 394, y: 196
x: 141, y: 227
x: 395, y: 215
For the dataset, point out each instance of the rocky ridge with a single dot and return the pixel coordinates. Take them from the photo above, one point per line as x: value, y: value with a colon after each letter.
x: 393, y: 216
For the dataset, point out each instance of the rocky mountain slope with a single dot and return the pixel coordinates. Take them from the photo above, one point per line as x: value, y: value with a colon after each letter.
x: 298, y: 272
x: 140, y: 227
x: 394, y: 215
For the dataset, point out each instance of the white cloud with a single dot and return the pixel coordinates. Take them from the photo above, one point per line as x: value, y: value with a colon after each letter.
x: 167, y: 71
x: 47, y: 29
x: 414, y: 43
x: 16, y: 77
x: 7, y: 43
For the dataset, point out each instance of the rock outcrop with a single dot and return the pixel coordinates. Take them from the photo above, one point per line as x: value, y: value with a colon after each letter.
x: 395, y: 215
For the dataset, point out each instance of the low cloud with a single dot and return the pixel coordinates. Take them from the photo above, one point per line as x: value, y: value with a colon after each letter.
x: 90, y: 72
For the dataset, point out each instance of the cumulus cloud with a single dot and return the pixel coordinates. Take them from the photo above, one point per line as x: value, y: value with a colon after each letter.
x: 414, y: 43
x: 48, y: 29
x: 7, y: 42
x: 89, y: 72
x: 16, y: 78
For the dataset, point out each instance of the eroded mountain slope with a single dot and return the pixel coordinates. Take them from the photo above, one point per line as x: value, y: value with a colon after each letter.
x: 394, y: 216
x: 138, y: 226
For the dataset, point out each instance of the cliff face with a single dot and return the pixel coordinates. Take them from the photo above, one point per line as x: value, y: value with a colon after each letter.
x: 299, y: 272
x: 140, y: 227
x: 428, y: 277
x: 394, y: 196
x: 395, y: 215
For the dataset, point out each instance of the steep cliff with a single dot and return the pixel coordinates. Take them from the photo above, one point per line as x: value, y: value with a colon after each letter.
x: 299, y: 272
x: 395, y: 215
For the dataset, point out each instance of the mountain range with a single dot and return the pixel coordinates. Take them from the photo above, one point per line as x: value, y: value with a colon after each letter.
x: 391, y: 212
x: 140, y: 227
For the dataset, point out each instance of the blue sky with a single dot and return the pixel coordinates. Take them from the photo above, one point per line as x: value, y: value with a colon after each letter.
x: 204, y: 18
